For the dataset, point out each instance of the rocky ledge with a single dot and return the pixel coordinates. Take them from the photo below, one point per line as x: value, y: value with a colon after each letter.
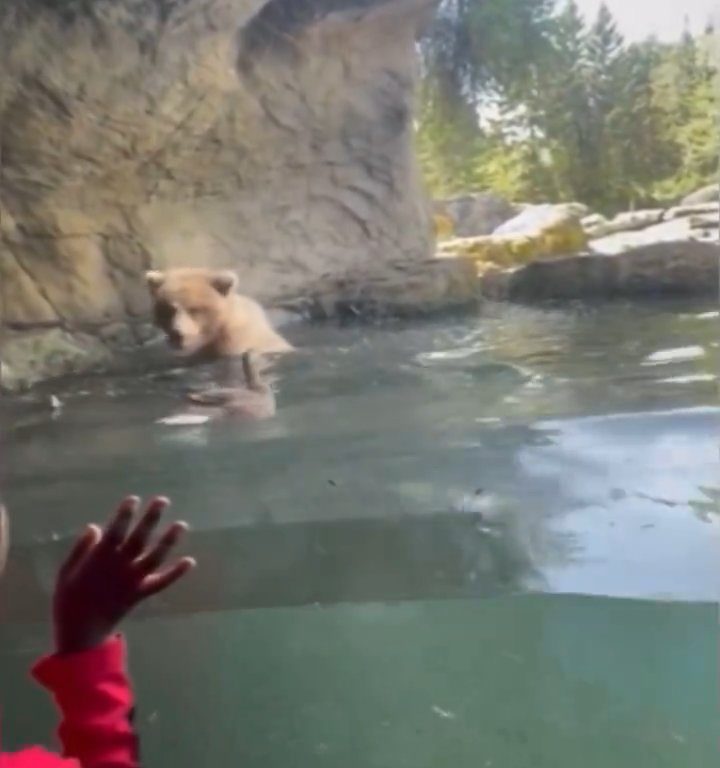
x: 661, y: 270
x: 543, y: 252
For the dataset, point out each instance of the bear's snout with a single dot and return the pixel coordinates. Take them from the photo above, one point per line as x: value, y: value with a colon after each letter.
x: 175, y: 338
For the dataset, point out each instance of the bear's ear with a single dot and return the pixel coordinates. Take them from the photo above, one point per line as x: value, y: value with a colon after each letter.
x: 154, y: 279
x: 224, y: 282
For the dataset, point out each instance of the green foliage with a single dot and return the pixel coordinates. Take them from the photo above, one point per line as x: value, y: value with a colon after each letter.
x: 576, y: 113
x: 477, y: 46
x: 686, y: 85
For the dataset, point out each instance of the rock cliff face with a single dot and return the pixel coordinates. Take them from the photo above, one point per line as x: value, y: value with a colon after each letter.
x: 275, y: 138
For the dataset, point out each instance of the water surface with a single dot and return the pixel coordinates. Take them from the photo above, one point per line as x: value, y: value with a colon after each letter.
x: 379, y: 533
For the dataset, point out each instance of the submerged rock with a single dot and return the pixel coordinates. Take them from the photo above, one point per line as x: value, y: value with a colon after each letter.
x: 708, y: 194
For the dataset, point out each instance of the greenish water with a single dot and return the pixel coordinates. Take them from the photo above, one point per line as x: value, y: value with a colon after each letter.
x: 483, y: 542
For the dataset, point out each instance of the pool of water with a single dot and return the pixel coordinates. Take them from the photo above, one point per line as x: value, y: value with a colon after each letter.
x: 483, y: 541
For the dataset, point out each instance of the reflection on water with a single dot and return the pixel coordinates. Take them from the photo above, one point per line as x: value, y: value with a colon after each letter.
x: 410, y: 471
x: 627, y: 490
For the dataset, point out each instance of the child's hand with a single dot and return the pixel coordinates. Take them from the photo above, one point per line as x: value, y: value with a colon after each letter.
x: 109, y: 572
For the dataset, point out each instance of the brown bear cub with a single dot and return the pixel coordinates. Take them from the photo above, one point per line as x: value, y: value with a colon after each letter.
x: 205, y: 319
x: 203, y: 315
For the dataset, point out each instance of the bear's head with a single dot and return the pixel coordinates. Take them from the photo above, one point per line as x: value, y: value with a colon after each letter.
x: 192, y: 306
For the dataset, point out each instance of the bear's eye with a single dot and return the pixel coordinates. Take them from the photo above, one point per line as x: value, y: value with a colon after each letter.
x: 164, y: 312
x: 194, y: 311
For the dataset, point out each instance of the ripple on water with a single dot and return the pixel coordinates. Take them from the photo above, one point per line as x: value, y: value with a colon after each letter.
x: 675, y: 355
x: 714, y: 315
x: 692, y: 378
x: 459, y: 353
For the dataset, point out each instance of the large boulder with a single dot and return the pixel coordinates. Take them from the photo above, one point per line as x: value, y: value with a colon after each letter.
x: 708, y: 194
x: 272, y: 137
x: 472, y: 215
x: 537, y: 233
x: 544, y: 218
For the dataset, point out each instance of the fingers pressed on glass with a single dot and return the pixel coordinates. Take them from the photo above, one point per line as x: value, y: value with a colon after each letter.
x: 117, y: 529
x: 85, y: 543
x: 138, y: 539
x: 157, y: 555
x: 157, y: 582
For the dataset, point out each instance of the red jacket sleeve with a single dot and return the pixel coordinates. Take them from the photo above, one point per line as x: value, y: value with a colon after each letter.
x: 93, y: 693
x: 35, y: 757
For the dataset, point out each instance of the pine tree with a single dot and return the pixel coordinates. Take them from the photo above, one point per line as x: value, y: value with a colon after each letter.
x: 638, y: 152
x: 557, y: 102
x: 604, y: 46
x: 696, y: 132
x: 579, y: 115
x: 687, y: 91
